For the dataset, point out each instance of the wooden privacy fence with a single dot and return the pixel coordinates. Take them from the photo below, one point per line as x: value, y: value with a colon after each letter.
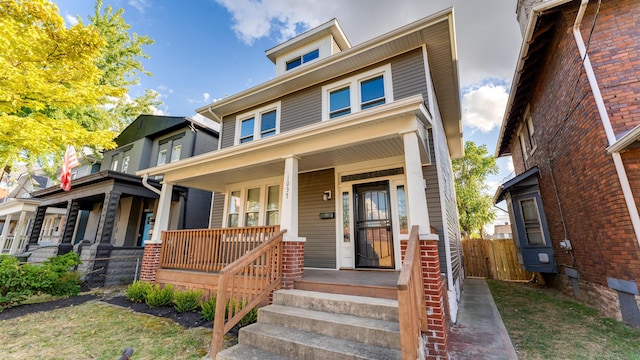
x: 493, y: 259
x: 210, y: 250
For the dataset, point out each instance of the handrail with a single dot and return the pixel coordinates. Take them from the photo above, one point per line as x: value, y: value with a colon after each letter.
x: 412, y: 309
x: 246, y: 282
x: 210, y: 250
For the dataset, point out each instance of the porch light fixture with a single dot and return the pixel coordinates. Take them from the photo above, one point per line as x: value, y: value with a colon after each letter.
x: 326, y: 196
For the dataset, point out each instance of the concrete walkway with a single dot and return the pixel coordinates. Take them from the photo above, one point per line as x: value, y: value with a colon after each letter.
x: 480, y: 332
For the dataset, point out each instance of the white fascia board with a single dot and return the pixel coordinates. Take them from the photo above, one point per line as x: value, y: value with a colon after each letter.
x: 625, y: 141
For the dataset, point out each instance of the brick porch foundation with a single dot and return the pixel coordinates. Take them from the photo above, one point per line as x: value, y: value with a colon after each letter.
x: 150, y: 262
x: 292, y: 262
x: 434, y: 293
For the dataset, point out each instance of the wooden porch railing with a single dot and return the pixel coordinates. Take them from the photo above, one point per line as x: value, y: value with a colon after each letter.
x: 412, y: 310
x: 210, y: 249
x: 246, y: 283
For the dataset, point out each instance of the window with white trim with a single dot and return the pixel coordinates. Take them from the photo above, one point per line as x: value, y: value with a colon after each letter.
x: 357, y: 93
x: 297, y: 61
x: 256, y: 205
x: 125, y: 164
x: 162, y: 157
x: 258, y: 124
x: 175, y: 152
x: 531, y: 132
x: 114, y: 164
x: 531, y: 221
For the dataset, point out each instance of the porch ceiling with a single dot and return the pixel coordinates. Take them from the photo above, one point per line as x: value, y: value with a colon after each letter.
x: 216, y: 181
x: 354, y: 138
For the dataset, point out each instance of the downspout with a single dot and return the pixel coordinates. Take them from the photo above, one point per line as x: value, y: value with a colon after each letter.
x: 145, y: 177
x: 606, y: 122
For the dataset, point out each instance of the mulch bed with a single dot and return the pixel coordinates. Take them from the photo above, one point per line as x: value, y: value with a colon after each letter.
x: 187, y: 319
x: 21, y: 310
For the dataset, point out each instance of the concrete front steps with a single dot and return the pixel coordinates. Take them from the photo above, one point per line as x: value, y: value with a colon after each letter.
x: 313, y: 325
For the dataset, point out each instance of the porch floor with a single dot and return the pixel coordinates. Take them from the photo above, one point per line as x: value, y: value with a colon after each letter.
x: 374, y: 283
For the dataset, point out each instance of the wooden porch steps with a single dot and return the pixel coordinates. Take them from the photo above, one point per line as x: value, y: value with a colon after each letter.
x: 379, y: 284
x: 313, y: 325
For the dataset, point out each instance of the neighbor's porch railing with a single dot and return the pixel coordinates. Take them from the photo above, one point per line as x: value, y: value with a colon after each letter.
x: 411, y: 301
x: 210, y: 249
x: 8, y: 243
x: 246, y: 282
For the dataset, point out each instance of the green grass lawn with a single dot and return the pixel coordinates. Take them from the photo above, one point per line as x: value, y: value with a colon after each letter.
x: 542, y: 326
x: 95, y: 330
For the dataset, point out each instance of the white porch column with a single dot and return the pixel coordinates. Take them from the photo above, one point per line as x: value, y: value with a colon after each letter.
x: 19, y: 235
x: 5, y: 231
x: 289, y: 208
x: 417, y: 198
x: 162, y: 214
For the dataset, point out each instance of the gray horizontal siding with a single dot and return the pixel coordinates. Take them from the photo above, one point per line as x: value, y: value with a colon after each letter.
x: 301, y: 108
x: 409, y: 76
x: 217, y: 211
x: 228, y: 131
x: 320, y: 247
x: 434, y: 205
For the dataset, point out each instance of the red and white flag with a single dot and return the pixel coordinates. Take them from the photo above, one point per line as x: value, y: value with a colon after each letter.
x: 69, y: 162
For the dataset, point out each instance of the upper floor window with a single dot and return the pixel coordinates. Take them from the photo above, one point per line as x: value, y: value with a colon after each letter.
x: 175, y: 152
x: 357, y: 93
x: 114, y: 164
x: 531, y: 131
x: 162, y: 157
x: 125, y: 163
x: 297, y: 61
x: 261, y: 123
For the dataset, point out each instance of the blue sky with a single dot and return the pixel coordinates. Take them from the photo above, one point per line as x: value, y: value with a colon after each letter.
x: 208, y: 49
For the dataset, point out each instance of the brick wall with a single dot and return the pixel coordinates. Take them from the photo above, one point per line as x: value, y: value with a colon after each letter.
x: 150, y: 262
x: 292, y: 262
x: 435, y: 301
x: 572, y: 146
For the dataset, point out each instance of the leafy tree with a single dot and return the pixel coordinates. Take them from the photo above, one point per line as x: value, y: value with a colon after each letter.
x: 475, y: 207
x: 121, y: 65
x: 61, y: 86
x: 45, y: 66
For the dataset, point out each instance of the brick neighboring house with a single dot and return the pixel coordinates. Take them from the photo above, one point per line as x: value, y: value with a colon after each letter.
x: 109, y: 211
x: 346, y: 148
x: 572, y: 128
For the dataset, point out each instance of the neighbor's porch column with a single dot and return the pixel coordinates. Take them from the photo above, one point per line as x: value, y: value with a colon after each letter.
x: 293, y: 245
x: 37, y: 226
x: 66, y: 244
x: 152, y: 248
x: 18, y: 234
x: 416, y: 185
x: 5, y: 231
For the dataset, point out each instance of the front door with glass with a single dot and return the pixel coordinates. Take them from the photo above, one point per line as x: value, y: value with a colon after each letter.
x: 373, y: 234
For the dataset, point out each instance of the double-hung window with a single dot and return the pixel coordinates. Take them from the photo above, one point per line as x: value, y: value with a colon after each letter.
x: 254, y: 205
x: 258, y: 124
x: 357, y: 93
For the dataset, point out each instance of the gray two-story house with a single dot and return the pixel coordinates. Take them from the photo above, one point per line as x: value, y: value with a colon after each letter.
x: 110, y: 213
x: 346, y: 148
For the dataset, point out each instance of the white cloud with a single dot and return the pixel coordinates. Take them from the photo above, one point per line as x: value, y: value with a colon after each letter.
x: 490, y: 53
x: 165, y: 89
x: 483, y: 107
x: 139, y: 5
x: 157, y: 111
x: 72, y: 20
x: 510, y: 165
x: 205, y: 97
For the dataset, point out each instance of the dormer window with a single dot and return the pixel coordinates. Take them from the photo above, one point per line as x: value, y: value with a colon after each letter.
x: 295, y: 62
x: 258, y: 124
